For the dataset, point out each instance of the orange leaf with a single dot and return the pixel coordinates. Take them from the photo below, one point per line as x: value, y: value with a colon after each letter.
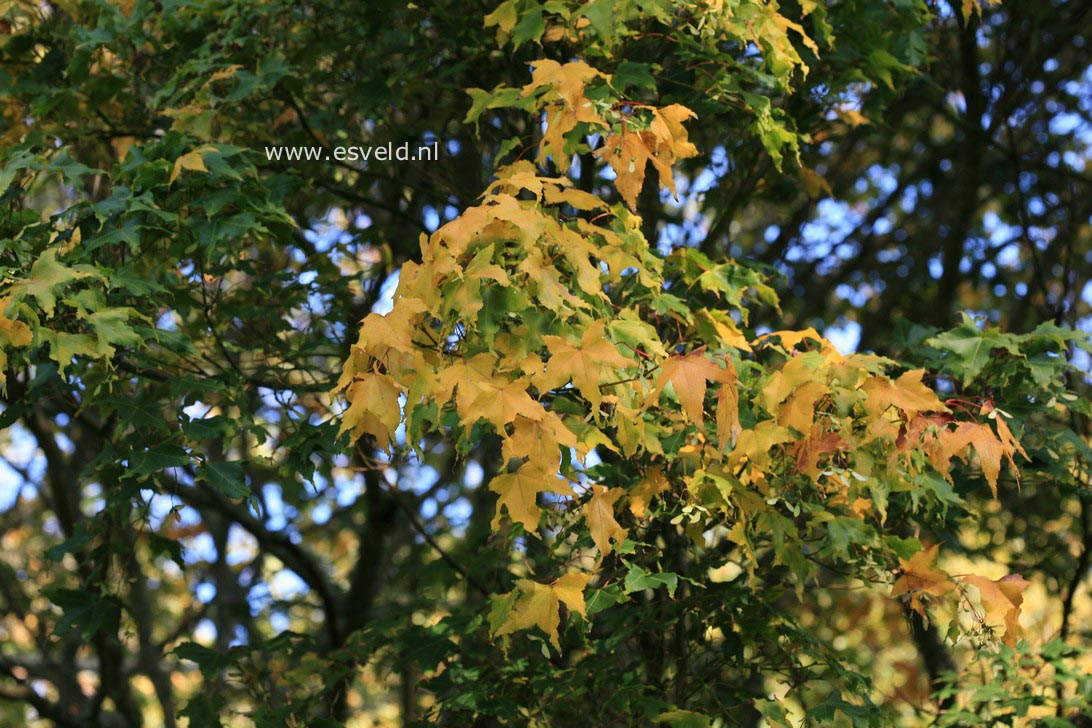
x: 920, y: 575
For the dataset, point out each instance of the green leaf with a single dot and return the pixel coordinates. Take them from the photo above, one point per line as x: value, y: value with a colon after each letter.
x: 46, y: 276
x: 683, y: 719
x: 904, y: 548
x: 605, y: 598
x: 18, y: 162
x: 85, y: 612
x: 154, y: 459
x: 970, y: 349
x: 64, y: 347
x: 211, y: 662
x: 637, y: 579
x: 530, y: 27
x: 226, y: 477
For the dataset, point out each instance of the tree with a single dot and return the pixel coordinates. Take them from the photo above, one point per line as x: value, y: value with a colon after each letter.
x: 590, y: 466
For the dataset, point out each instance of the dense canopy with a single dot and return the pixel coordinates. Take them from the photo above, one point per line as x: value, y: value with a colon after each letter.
x: 678, y: 362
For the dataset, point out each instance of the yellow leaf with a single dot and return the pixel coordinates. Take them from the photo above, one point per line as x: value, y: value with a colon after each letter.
x: 790, y: 339
x: 722, y: 327
x: 538, y: 441
x: 17, y: 333
x: 920, y: 575
x: 582, y: 364
x: 797, y: 371
x: 650, y: 486
x: 519, y: 491
x: 599, y: 513
x: 224, y: 73
x: 798, y: 412
x: 1002, y: 599
x: 907, y: 393
x: 627, y: 155
x: 757, y: 444
x: 570, y: 591
x: 373, y: 408
x: 579, y: 199
x: 568, y: 80
x: 688, y: 375
x: 14, y: 333
x: 539, y: 605
x: 191, y: 161
x: 499, y: 405
x: 504, y: 17
x: 989, y: 448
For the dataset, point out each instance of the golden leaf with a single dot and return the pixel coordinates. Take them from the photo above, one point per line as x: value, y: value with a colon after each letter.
x: 907, y: 393
x: 192, y: 161
x: 539, y: 605
x: 582, y: 364
x: 688, y: 375
x: 599, y: 513
x: 920, y: 575
x: 651, y: 485
x: 1002, y: 599
x: 519, y: 494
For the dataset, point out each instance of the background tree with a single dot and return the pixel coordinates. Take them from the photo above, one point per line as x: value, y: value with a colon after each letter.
x: 178, y: 306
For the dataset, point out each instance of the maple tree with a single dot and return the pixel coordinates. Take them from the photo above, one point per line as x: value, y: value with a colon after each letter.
x: 327, y: 443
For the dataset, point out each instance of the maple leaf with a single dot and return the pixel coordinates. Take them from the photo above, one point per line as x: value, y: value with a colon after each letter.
x: 192, y: 161
x: 16, y: 333
x: 651, y: 485
x: 757, y: 444
x: 499, y: 404
x: 798, y: 411
x: 538, y: 441
x: 627, y: 154
x: 987, y: 446
x: 791, y: 339
x: 465, y: 379
x: 1002, y: 599
x: 688, y: 376
x: 728, y: 426
x: 971, y: 349
x: 46, y: 275
x: 539, y: 605
x: 799, y: 370
x: 667, y: 125
x: 1010, y: 444
x: 583, y: 364
x: 381, y: 334
x: 907, y: 393
x: 519, y: 491
x: 599, y: 513
x: 578, y: 199
x: 920, y: 575
x: 567, y: 80
x: 819, y: 441
x: 373, y: 408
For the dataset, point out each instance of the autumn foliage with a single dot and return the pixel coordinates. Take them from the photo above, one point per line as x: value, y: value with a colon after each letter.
x: 528, y: 437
